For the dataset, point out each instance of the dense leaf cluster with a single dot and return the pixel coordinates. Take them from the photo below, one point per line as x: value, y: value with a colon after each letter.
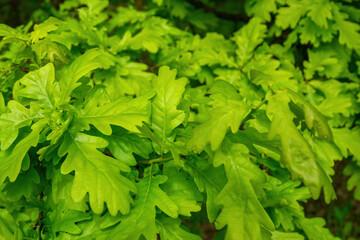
x: 122, y: 120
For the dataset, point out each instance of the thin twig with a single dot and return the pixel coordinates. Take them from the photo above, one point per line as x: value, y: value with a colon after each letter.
x: 151, y: 161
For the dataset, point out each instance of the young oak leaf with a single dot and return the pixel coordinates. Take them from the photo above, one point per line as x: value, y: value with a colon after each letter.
x: 124, y: 112
x: 62, y: 219
x: 338, y: 98
x: 296, y: 153
x: 9, y: 228
x: 208, y: 179
x: 353, y: 170
x: 227, y: 112
x: 322, y: 62
x: 314, y: 229
x: 349, y: 32
x: 241, y: 210
x: 290, y: 16
x: 38, y: 85
x: 81, y: 66
x: 142, y: 216
x: 10, y: 34
x: 61, y: 189
x: 23, y: 185
x: 320, y: 12
x: 165, y: 116
x: 260, y: 8
x: 282, y: 201
x: 310, y: 32
x: 248, y: 38
x: 12, y: 158
x: 41, y: 30
x: 214, y: 49
x: 348, y: 141
x: 313, y: 118
x: 10, y: 123
x: 123, y: 144
x: 90, y: 229
x: 181, y: 190
x: 51, y: 51
x: 277, y: 235
x: 169, y: 229
x: 96, y: 174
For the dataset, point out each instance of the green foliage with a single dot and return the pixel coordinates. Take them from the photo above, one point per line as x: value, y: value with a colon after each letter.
x: 142, y: 119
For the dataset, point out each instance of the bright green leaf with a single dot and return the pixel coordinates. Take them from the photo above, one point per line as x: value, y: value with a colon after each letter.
x: 142, y: 216
x: 96, y: 174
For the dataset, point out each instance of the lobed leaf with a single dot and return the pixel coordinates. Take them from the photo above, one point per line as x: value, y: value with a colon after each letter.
x: 96, y: 174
